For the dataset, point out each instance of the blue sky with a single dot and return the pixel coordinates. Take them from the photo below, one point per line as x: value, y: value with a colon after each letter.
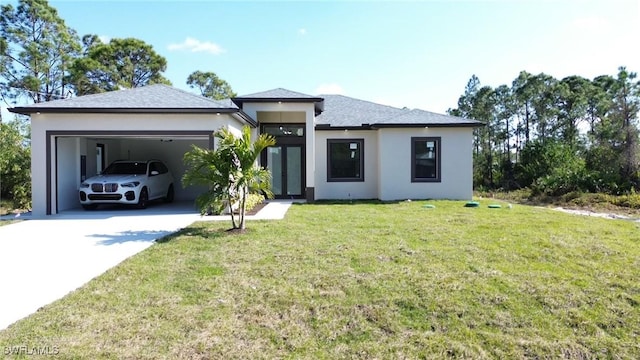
x: 418, y: 54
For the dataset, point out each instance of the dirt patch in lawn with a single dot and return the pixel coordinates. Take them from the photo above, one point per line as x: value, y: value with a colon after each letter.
x: 605, y: 215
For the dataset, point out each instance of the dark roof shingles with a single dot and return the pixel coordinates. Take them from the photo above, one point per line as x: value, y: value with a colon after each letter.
x: 278, y: 93
x: 157, y: 96
x: 343, y: 111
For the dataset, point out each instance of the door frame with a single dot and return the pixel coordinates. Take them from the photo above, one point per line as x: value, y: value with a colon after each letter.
x: 284, y: 142
x: 102, y: 158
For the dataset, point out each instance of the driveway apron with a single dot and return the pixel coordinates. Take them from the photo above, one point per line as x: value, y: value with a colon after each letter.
x: 43, y: 260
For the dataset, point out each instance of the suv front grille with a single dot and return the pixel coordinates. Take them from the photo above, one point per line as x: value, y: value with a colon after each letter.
x: 108, y: 187
x: 111, y: 187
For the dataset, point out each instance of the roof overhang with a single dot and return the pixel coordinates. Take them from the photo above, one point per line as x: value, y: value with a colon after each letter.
x: 451, y: 125
x: 75, y: 110
x: 318, y: 102
x: 235, y: 112
x: 242, y: 116
x: 390, y: 126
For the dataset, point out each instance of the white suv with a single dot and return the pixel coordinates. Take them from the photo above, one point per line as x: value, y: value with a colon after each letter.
x: 128, y: 182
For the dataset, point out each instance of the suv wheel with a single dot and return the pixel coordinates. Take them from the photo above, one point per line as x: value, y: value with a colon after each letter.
x: 170, y: 195
x: 143, y: 199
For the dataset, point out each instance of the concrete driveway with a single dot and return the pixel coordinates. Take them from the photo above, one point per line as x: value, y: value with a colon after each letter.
x: 42, y: 260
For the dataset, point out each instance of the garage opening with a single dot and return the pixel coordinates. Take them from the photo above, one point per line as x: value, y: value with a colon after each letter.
x: 77, y: 157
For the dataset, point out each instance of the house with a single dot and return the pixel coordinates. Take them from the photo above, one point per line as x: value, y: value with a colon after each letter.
x: 328, y: 147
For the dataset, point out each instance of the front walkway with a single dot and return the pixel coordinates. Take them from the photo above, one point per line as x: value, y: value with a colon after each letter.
x: 45, y: 259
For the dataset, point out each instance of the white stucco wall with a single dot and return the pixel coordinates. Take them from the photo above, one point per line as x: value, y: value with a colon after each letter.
x: 394, y: 149
x: 41, y: 123
x: 68, y: 171
x: 281, y: 117
x: 367, y: 189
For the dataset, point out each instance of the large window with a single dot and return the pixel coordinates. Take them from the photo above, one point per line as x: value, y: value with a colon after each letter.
x: 345, y: 159
x: 425, y: 159
x: 288, y: 130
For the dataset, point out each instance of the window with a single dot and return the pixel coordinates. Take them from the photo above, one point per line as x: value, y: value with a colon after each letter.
x: 425, y: 159
x: 288, y: 130
x: 345, y: 159
x: 159, y: 167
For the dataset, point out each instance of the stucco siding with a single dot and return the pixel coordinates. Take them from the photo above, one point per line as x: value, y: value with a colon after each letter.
x: 133, y: 122
x: 38, y: 166
x: 281, y: 117
x: 367, y: 189
x: 68, y: 173
x: 395, y: 164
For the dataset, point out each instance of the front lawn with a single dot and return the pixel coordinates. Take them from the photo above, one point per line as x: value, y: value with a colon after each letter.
x: 363, y: 280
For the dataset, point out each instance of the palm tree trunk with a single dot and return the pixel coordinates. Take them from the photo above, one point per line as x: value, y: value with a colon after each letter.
x: 233, y: 217
x: 243, y: 207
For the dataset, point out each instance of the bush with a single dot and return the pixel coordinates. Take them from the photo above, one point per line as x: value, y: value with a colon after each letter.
x: 631, y: 200
x: 253, y: 200
x: 15, y: 166
x: 553, y: 168
x: 219, y: 208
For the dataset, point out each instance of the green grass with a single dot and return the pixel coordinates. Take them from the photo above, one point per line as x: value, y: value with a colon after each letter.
x: 364, y: 280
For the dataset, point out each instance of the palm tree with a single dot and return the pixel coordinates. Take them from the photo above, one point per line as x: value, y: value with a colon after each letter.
x: 230, y: 171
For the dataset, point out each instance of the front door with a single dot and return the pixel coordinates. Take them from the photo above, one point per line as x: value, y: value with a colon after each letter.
x: 286, y: 160
x: 285, y: 164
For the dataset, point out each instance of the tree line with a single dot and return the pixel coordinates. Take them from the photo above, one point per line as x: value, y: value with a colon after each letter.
x: 555, y: 136
x: 43, y: 59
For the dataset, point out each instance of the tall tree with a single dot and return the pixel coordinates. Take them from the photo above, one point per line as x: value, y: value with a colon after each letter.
x: 524, y: 92
x: 544, y: 98
x: 36, y: 51
x: 552, y: 151
x: 465, y: 106
x: 210, y: 85
x: 121, y: 63
x: 572, y: 107
x: 505, y: 107
x: 625, y: 112
x: 598, y: 100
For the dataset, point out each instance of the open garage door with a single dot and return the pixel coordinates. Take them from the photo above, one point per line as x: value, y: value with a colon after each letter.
x: 76, y: 157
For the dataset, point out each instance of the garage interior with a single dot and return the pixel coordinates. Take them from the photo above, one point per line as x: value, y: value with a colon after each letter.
x: 81, y: 156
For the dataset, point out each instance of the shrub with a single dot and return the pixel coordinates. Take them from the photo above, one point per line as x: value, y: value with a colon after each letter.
x: 15, y: 165
x: 253, y: 200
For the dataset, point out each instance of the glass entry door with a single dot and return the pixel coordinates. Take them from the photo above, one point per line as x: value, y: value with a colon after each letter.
x: 286, y: 163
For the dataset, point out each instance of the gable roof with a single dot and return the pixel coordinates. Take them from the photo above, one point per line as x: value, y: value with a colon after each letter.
x: 281, y: 95
x: 278, y: 93
x: 346, y: 112
x: 150, y: 98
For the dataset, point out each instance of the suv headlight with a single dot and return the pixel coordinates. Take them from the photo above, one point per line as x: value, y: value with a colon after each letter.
x: 131, y: 184
x: 84, y: 185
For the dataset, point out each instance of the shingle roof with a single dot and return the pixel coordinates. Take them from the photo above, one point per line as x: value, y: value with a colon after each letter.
x: 343, y: 112
x: 422, y: 117
x: 332, y: 111
x: 278, y: 93
x: 281, y: 95
x: 152, y: 97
